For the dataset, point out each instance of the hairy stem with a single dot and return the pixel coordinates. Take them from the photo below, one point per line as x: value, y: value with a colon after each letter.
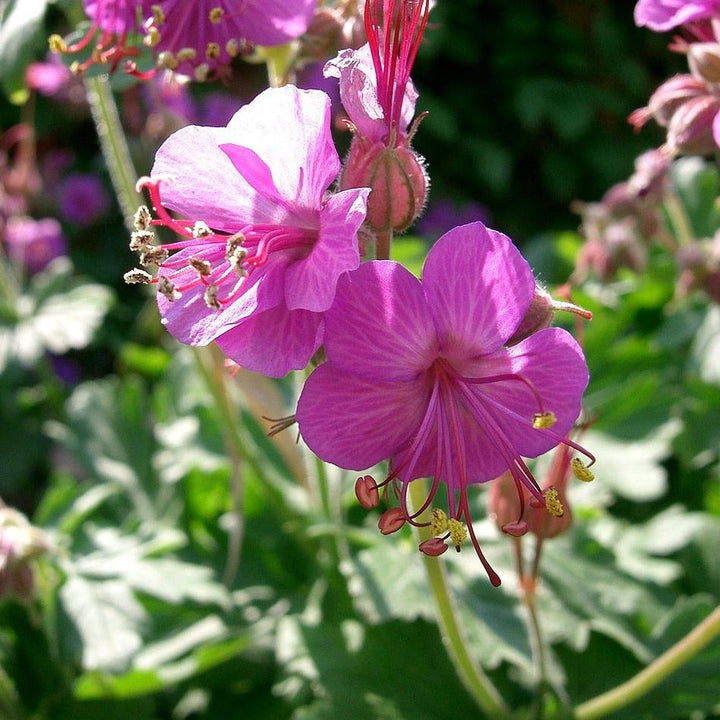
x: 653, y: 674
x: 471, y: 674
x: 114, y: 145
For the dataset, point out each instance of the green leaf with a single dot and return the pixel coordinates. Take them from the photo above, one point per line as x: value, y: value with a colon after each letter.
x: 21, y: 38
x: 698, y: 185
x: 58, y: 313
x: 108, y: 620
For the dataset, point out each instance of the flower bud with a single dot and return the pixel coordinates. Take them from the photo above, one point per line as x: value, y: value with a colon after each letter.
x: 397, y: 178
x: 666, y: 100
x: 537, y: 317
x: 366, y: 491
x: 690, y: 131
x: 704, y: 61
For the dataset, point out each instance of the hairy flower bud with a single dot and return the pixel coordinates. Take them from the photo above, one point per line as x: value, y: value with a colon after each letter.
x: 667, y: 99
x: 397, y: 178
x: 538, y: 316
x: 690, y: 131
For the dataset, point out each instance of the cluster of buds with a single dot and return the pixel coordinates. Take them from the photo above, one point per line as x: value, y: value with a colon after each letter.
x: 618, y: 229
x: 688, y: 104
x: 20, y: 545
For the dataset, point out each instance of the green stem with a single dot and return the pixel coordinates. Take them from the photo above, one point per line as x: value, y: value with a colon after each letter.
x: 471, y: 674
x: 114, y: 145
x: 383, y: 242
x: 211, y: 365
x: 679, y: 218
x: 655, y: 673
x: 278, y: 60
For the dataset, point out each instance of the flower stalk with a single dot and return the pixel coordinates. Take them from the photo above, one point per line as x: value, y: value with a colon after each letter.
x: 477, y: 683
x: 663, y: 666
x: 114, y: 145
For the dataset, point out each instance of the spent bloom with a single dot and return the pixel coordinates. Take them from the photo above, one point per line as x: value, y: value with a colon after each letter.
x: 199, y: 38
x: 379, y: 98
x: 109, y: 39
x: 262, y: 244
x: 419, y: 373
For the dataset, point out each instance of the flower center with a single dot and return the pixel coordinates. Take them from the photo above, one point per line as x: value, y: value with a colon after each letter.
x: 223, y: 263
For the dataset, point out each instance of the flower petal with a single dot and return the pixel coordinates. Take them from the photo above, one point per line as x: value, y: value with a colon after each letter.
x: 478, y: 287
x: 275, y: 22
x: 355, y: 423
x: 379, y: 325
x: 663, y: 15
x: 275, y: 341
x: 289, y: 130
x: 553, y: 363
x: 190, y: 320
x: 310, y: 283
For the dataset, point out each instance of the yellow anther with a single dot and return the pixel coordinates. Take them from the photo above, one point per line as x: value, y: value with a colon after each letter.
x: 580, y: 471
x: 142, y: 218
x: 544, y: 420
x: 76, y: 68
x: 187, y: 53
x: 201, y: 72
x: 158, y: 15
x: 57, y: 44
x: 439, y: 522
x: 216, y: 15
x: 458, y: 533
x: 212, y: 51
x: 152, y: 38
x: 232, y: 47
x: 167, y: 60
x: 552, y: 502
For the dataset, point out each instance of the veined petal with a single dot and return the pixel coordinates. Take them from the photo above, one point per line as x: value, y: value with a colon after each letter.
x: 190, y: 320
x: 274, y: 22
x: 310, y: 283
x: 354, y: 422
x: 379, y: 325
x: 275, y: 341
x: 553, y: 363
x: 289, y: 130
x: 200, y: 181
x: 478, y: 287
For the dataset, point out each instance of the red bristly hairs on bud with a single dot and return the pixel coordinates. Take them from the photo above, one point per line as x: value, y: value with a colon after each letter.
x: 394, y: 31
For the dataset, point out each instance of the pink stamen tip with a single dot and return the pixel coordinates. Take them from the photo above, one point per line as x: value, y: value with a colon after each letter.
x: 433, y: 547
x: 516, y: 529
x: 366, y: 491
x: 391, y: 521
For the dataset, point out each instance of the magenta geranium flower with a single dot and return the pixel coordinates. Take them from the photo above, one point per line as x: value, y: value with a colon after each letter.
x: 420, y: 373
x: 113, y: 23
x: 263, y: 244
x: 664, y: 15
x: 202, y: 36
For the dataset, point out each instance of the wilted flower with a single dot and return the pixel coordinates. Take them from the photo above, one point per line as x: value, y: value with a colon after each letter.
x: 379, y: 98
x: 262, y: 244
x: 20, y: 544
x: 420, y: 373
x: 199, y: 38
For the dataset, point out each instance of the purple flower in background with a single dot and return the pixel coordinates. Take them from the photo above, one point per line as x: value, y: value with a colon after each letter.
x: 49, y: 78
x: 32, y: 244
x: 260, y: 258
x: 82, y: 199
x: 109, y: 36
x: 663, y: 15
x: 444, y: 214
x: 420, y: 373
x: 198, y: 38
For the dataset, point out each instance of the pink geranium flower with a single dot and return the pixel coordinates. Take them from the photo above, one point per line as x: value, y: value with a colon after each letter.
x: 664, y: 15
x: 263, y: 244
x: 420, y: 373
x: 201, y: 36
x: 109, y: 35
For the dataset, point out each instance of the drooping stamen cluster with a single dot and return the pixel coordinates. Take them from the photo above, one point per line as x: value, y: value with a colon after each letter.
x: 394, y: 31
x: 455, y: 400
x: 221, y: 262
x: 110, y: 36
